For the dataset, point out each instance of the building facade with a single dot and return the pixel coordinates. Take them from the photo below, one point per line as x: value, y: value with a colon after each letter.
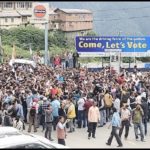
x: 73, y: 21
x: 14, y: 14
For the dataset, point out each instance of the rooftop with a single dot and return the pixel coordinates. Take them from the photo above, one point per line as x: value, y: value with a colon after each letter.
x: 9, y: 14
x: 74, y: 11
x: 24, y: 12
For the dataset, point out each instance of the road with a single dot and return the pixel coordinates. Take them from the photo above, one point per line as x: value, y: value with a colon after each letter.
x: 79, y: 138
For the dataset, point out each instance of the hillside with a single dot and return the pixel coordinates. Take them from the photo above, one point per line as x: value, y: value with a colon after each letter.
x: 132, y: 18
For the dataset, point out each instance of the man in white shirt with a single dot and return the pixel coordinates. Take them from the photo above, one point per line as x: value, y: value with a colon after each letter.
x: 81, y: 111
x: 125, y: 121
x: 93, y: 119
x: 117, y: 103
x: 143, y: 93
x: 138, y: 99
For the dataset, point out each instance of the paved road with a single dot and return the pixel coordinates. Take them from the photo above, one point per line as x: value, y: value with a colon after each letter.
x: 78, y: 139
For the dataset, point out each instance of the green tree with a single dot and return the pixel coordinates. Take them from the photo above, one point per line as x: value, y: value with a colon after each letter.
x: 91, y: 33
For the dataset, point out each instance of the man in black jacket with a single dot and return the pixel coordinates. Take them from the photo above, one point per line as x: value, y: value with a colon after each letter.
x: 145, y: 116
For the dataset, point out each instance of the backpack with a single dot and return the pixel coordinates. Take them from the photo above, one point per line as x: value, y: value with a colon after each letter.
x: 32, y: 111
x: 108, y: 101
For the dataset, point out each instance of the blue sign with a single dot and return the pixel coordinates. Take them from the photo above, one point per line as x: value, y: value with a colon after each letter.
x: 147, y: 65
x: 110, y: 44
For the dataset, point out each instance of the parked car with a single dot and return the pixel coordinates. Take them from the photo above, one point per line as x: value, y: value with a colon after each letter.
x: 12, y: 138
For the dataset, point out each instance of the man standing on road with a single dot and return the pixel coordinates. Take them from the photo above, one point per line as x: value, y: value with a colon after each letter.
x: 93, y: 119
x: 145, y: 110
x: 108, y: 101
x: 116, y: 123
x: 44, y: 106
x: 117, y: 103
x: 48, y: 121
x: 125, y: 121
x: 55, y: 107
x: 137, y: 121
x: 71, y: 114
x: 81, y: 112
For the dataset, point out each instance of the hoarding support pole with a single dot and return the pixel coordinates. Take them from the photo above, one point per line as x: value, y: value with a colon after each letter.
x: 110, y: 62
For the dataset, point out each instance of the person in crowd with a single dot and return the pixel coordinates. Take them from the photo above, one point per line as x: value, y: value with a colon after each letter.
x: 117, y: 103
x: 102, y: 111
x: 88, y: 103
x: 48, y: 122
x: 144, y: 106
x: 29, y: 101
x: 137, y: 121
x: 61, y: 130
x: 33, y: 118
x: 125, y: 121
x: 62, y: 110
x: 55, y: 107
x: 71, y: 114
x: 43, y: 106
x: 81, y: 111
x: 116, y: 124
x: 93, y: 119
x: 108, y: 101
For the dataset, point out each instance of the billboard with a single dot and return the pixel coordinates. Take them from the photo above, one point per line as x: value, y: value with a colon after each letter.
x: 40, y: 14
x: 128, y: 46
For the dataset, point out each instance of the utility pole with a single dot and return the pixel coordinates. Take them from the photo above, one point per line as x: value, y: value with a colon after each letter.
x: 46, y: 42
x: 1, y: 50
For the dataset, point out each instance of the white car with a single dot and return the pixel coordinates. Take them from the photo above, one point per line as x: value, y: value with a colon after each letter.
x: 11, y: 138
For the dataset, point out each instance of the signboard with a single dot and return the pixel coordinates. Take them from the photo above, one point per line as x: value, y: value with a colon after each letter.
x: 128, y: 46
x: 147, y: 65
x: 39, y: 11
x: 40, y: 14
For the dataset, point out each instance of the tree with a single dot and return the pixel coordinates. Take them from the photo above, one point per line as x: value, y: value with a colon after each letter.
x: 91, y: 33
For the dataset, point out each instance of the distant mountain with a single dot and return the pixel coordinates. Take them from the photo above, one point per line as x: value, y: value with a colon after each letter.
x: 131, y: 18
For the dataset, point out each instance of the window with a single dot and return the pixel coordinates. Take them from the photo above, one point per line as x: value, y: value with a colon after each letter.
x: 29, y: 146
x: 8, y: 5
x: 55, y: 26
x: 34, y: 146
x: 1, y: 4
x: 6, y: 19
x: 29, y: 4
x: 22, y: 5
x: 12, y: 19
x: 24, y: 19
x: 18, y: 4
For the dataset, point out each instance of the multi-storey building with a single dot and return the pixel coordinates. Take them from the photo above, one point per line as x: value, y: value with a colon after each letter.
x: 72, y: 21
x: 14, y: 14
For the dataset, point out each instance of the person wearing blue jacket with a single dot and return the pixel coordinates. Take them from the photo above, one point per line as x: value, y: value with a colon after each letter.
x: 116, y: 124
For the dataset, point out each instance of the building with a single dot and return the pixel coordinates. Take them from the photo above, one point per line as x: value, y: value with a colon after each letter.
x: 71, y: 21
x: 14, y: 14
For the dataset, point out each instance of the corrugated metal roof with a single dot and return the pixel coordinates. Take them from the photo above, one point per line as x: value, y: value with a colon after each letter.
x: 74, y: 10
x: 9, y: 14
x: 52, y: 13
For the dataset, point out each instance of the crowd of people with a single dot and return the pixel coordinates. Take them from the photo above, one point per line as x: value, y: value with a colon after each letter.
x: 65, y: 99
